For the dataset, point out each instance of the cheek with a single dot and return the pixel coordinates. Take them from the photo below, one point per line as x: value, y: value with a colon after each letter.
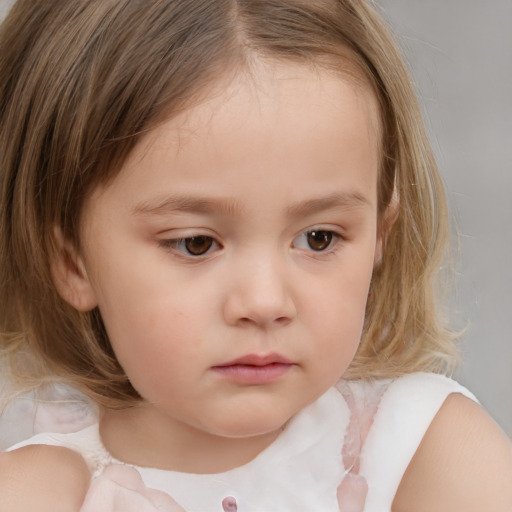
x: 340, y: 303
x: 337, y: 314
x: 156, y: 325
x: 155, y: 346
x: 152, y: 326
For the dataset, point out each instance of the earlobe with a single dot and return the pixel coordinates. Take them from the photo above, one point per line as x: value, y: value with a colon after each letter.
x: 385, y: 225
x: 377, y: 259
x: 69, y: 274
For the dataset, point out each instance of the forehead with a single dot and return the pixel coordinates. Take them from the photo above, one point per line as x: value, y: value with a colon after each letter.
x: 263, y: 90
x: 286, y: 117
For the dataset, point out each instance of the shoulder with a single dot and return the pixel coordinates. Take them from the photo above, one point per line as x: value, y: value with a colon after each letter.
x: 464, y: 462
x: 42, y: 478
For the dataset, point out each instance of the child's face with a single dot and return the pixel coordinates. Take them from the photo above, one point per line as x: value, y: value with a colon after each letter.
x: 231, y: 257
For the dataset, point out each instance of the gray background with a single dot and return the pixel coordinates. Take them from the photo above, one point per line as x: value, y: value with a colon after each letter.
x: 460, y: 54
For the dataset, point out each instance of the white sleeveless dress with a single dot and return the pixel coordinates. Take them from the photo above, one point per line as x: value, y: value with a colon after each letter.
x: 346, y: 452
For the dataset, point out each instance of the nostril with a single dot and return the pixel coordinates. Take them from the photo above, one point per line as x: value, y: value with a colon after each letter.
x: 283, y: 320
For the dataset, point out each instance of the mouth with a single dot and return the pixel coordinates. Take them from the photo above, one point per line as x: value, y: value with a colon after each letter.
x: 254, y: 369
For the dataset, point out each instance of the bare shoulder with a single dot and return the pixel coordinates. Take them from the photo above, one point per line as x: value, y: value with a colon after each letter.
x: 464, y: 463
x: 42, y: 478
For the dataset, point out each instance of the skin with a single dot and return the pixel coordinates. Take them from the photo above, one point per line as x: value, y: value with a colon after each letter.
x: 261, y: 165
x: 463, y: 464
x: 244, y: 171
x: 42, y: 479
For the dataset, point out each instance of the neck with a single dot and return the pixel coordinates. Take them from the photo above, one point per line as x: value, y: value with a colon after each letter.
x: 140, y: 436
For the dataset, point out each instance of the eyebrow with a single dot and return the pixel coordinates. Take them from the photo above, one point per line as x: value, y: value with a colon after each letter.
x: 189, y: 204
x: 232, y: 207
x: 337, y: 200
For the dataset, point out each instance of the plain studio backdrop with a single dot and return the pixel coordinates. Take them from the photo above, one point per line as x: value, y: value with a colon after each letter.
x: 460, y: 55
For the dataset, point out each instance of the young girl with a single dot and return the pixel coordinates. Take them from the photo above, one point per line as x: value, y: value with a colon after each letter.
x: 211, y: 212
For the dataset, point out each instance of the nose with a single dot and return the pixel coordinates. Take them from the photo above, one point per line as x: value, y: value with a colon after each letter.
x: 260, y: 294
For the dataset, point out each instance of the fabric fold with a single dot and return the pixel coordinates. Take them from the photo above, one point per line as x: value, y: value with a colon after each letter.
x: 121, y: 489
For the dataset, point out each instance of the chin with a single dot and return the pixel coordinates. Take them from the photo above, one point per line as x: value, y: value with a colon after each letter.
x: 249, y: 427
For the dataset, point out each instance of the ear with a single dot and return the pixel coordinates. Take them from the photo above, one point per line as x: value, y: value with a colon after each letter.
x: 69, y: 274
x: 385, y: 224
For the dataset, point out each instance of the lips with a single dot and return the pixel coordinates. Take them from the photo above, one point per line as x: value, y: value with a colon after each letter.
x: 254, y: 369
x: 257, y: 360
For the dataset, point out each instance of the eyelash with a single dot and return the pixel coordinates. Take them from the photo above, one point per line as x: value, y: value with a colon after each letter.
x: 323, y: 236
x: 179, y: 245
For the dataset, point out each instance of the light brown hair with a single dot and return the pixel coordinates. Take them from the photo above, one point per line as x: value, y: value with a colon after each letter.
x: 81, y: 81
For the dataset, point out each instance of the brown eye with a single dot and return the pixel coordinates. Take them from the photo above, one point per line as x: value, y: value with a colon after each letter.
x: 319, y: 240
x: 198, y: 245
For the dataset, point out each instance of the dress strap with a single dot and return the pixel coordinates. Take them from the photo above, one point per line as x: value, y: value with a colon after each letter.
x: 86, y: 442
x: 363, y: 399
x: 404, y: 414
